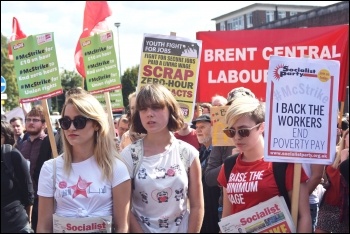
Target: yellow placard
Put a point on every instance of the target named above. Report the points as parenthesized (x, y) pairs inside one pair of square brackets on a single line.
[(217, 116)]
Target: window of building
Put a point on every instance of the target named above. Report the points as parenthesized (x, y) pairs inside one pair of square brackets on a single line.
[(236, 23), (222, 26), (230, 24), (281, 14), (270, 16), (293, 13), (249, 20)]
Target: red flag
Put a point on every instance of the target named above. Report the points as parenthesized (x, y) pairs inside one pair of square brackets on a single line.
[(95, 14), (17, 34)]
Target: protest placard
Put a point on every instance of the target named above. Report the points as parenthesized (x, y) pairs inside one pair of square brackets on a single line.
[(116, 98), (100, 63), (301, 110), (173, 62), (36, 67), (217, 115)]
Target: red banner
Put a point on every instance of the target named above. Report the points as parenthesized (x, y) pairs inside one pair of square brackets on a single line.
[(233, 59)]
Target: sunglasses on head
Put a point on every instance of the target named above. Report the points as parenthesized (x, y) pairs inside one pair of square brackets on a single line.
[(79, 122), (243, 132)]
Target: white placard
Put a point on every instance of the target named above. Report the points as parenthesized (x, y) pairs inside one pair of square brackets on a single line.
[(301, 110)]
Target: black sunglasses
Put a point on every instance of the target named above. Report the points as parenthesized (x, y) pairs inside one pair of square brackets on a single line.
[(243, 132), (79, 122)]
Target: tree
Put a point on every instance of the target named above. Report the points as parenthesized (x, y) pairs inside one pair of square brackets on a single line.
[(8, 72), (69, 79), (129, 82)]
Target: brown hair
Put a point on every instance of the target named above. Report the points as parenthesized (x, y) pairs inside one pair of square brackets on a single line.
[(15, 119), (8, 132), (37, 111), (156, 94)]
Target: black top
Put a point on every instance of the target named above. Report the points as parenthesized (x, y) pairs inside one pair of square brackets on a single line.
[(22, 189), (16, 191), (344, 170)]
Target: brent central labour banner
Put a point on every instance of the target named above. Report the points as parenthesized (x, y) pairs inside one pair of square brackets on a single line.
[(232, 59)]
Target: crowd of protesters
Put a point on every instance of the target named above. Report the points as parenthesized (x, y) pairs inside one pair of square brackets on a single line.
[(158, 173)]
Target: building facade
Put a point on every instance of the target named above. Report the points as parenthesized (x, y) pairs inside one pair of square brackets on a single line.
[(256, 15), (265, 16)]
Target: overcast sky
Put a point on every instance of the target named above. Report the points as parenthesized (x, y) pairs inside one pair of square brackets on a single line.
[(65, 19)]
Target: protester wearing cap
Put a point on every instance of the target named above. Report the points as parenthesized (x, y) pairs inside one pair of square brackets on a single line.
[(204, 117), (211, 194)]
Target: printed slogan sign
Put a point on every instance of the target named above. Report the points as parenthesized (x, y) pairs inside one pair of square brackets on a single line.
[(173, 62), (100, 63), (116, 98), (36, 67), (301, 110)]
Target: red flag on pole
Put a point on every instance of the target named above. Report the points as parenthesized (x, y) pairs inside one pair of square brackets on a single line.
[(95, 14), (17, 34)]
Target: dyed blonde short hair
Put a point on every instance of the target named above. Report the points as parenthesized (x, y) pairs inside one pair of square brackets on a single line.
[(245, 106)]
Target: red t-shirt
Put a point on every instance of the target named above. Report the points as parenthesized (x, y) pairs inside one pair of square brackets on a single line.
[(333, 194), (253, 182), (191, 138)]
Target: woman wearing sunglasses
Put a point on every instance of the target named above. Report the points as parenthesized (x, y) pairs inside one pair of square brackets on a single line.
[(245, 118), (88, 179)]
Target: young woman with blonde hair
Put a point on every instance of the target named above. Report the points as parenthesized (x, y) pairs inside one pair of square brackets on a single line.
[(90, 179), (245, 118)]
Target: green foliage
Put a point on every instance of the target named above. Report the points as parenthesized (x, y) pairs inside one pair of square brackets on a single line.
[(8, 72), (129, 82)]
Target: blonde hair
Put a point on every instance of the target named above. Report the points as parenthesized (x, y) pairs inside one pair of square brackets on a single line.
[(105, 150), (340, 147), (131, 95), (245, 106)]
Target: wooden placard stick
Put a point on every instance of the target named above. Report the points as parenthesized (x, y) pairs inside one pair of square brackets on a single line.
[(49, 128)]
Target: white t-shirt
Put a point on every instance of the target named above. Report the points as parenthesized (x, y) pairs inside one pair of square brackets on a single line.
[(84, 192), (159, 199)]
